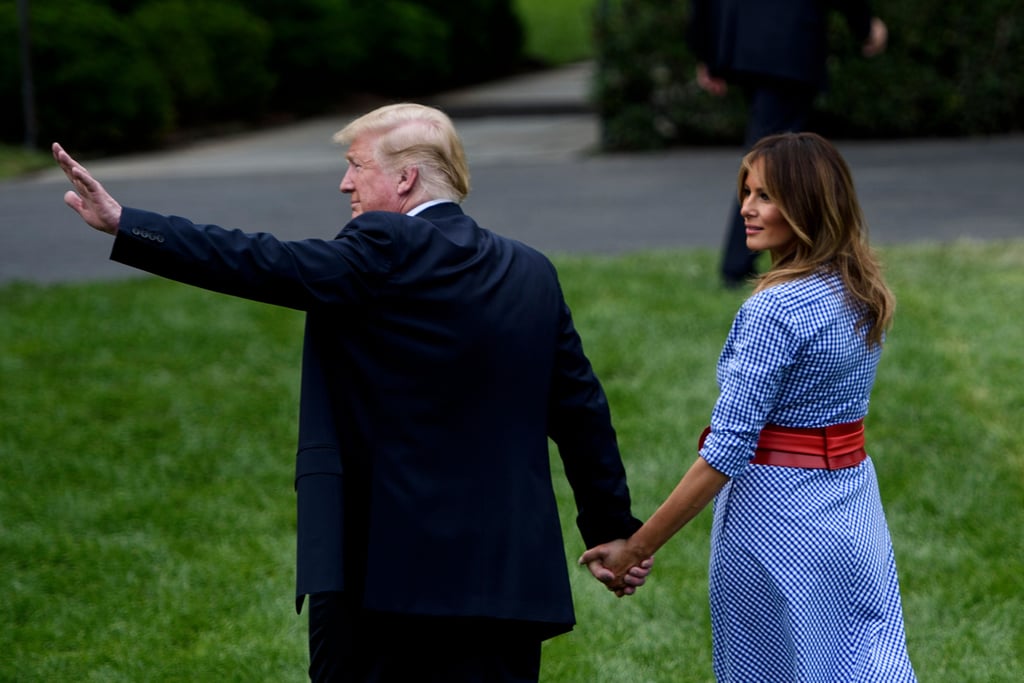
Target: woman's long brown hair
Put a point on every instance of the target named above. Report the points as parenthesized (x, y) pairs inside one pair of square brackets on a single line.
[(810, 183)]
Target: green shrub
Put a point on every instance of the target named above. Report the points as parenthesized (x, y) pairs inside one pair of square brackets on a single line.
[(95, 85), (213, 55), (317, 48), (123, 74), (327, 50), (951, 69), (485, 40)]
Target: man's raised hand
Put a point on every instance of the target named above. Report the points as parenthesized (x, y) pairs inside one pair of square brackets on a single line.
[(88, 199)]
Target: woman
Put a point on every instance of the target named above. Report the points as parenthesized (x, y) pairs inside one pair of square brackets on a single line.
[(802, 576)]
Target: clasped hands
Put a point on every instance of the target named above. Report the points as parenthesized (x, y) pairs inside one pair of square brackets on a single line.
[(618, 566)]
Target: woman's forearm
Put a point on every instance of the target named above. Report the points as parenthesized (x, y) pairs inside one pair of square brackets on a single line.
[(694, 491)]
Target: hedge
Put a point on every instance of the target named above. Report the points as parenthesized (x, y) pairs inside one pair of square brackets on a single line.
[(94, 82), (213, 56), (127, 74)]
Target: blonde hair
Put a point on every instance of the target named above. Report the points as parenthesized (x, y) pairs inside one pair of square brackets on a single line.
[(812, 186), (416, 135)]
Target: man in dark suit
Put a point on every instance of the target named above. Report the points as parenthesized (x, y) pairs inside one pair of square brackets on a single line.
[(776, 51), (438, 360)]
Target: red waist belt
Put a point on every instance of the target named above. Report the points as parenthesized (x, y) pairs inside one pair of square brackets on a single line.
[(824, 448)]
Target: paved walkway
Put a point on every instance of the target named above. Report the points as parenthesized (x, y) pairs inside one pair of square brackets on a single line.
[(532, 143)]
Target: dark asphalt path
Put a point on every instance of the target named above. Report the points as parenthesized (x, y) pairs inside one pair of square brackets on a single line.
[(534, 179)]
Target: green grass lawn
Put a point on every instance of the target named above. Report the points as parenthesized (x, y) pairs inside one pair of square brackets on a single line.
[(558, 31), (147, 433), (16, 161)]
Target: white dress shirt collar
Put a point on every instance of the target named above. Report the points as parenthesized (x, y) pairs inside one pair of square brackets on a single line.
[(426, 205)]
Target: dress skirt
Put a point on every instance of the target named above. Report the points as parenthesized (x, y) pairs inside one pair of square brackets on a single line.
[(803, 580)]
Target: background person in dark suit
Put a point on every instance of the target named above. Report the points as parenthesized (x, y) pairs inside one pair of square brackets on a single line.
[(438, 359), (775, 51)]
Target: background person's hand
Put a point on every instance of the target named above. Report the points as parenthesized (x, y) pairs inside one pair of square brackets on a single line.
[(711, 84), (878, 38)]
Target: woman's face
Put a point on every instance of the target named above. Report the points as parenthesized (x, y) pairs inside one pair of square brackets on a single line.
[(766, 228)]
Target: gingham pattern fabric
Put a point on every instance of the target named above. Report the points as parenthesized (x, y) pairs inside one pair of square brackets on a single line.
[(803, 580)]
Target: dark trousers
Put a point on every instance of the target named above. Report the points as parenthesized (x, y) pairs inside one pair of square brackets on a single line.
[(774, 107), (350, 645)]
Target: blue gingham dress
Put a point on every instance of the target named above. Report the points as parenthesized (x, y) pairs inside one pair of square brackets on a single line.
[(803, 581)]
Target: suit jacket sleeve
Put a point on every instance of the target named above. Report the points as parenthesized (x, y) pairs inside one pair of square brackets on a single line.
[(580, 425), (297, 274), (698, 31)]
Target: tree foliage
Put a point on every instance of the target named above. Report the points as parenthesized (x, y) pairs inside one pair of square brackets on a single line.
[(125, 74)]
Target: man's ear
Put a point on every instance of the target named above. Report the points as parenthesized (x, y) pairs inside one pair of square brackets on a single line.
[(407, 178)]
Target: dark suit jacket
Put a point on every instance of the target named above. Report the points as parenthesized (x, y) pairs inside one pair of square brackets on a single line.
[(784, 39), (438, 359)]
